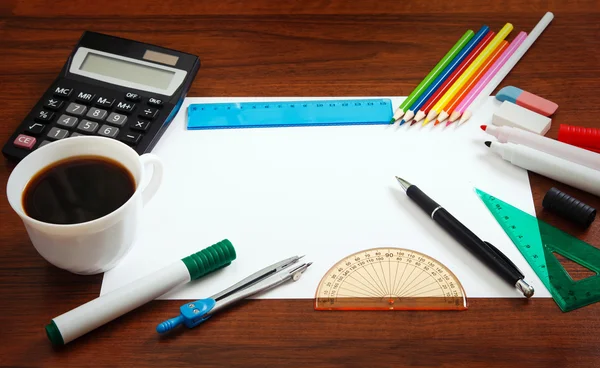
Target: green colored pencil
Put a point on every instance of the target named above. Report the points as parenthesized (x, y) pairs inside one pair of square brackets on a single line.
[(443, 63)]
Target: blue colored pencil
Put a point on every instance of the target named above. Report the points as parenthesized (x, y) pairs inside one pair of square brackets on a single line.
[(444, 74)]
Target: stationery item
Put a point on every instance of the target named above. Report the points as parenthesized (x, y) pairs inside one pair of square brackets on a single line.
[(559, 169), (95, 313), (471, 82), (460, 82), (64, 219), (194, 313), (568, 207), (484, 250), (423, 111), (507, 67), (587, 138), (539, 142), (389, 278), (416, 93), (112, 87), (527, 100), (236, 184), (464, 103), (464, 57), (539, 243), (516, 116), (289, 113)]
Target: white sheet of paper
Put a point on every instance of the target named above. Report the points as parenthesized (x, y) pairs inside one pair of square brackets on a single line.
[(322, 192)]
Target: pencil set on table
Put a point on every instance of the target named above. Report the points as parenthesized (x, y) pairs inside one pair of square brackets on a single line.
[(464, 78)]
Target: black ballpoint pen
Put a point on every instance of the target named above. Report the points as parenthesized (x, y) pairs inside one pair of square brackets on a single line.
[(485, 251)]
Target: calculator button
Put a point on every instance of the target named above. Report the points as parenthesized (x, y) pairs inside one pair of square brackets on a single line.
[(87, 126), (108, 131), (85, 97), (76, 109), (57, 133), (44, 143), (63, 92), (116, 119), (125, 107), (95, 113), (155, 102), (105, 102), (141, 125), (132, 97), (53, 104), (131, 138), (67, 121), (148, 113), (24, 141), (75, 134), (44, 116), (35, 128)]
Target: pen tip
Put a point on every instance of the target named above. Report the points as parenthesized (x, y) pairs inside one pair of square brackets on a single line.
[(483, 127), (403, 183), (488, 143)]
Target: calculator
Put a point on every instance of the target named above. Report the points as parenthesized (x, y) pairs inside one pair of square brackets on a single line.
[(111, 87)]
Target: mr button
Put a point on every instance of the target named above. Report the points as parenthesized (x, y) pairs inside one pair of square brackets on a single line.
[(24, 141)]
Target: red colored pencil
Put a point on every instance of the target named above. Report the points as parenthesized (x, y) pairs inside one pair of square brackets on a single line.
[(452, 78)]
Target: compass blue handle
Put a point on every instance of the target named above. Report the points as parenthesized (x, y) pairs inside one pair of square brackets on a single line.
[(191, 315)]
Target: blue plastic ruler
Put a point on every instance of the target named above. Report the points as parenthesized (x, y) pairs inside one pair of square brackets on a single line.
[(289, 113)]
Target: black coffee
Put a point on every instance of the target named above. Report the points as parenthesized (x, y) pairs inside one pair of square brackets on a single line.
[(77, 190)]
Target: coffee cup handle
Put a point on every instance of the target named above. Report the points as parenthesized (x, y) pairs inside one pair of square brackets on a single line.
[(149, 159)]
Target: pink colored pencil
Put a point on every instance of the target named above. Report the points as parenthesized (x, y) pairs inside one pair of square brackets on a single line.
[(487, 77)]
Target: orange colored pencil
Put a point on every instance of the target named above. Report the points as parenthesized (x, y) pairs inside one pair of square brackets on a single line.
[(472, 82)]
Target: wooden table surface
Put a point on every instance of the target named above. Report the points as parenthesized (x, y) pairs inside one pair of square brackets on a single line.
[(297, 48)]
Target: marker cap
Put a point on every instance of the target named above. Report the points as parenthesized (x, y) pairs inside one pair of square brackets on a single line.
[(568, 207), (587, 138)]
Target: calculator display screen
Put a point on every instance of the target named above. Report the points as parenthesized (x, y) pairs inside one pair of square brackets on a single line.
[(127, 70)]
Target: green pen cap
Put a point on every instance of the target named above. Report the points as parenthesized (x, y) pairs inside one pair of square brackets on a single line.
[(207, 260)]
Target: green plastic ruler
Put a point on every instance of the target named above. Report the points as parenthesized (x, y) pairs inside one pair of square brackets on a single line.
[(538, 242)]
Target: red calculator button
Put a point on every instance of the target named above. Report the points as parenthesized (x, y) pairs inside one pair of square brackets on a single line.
[(24, 141)]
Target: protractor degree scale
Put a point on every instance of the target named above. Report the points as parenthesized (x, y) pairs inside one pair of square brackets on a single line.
[(390, 279)]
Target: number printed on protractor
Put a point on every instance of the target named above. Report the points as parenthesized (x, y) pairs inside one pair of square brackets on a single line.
[(390, 279)]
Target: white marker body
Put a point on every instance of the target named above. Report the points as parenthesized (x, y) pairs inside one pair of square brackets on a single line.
[(575, 175), (104, 309), (551, 146)]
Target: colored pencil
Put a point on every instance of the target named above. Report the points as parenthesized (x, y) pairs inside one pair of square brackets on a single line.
[(471, 83), (487, 77), (475, 41), (459, 45), (507, 67), (452, 78), (460, 82)]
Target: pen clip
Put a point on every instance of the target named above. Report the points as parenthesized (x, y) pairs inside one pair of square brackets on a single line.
[(504, 257)]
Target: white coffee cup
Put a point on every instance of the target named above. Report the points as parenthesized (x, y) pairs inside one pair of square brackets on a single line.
[(95, 246)]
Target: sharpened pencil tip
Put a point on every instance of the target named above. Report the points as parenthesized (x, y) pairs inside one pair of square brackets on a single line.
[(392, 121), (488, 143), (483, 127), (402, 121), (413, 122)]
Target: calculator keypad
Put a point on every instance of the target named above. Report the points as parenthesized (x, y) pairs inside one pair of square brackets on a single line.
[(70, 112)]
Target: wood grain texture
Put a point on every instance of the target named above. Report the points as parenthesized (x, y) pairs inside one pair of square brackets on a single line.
[(297, 48)]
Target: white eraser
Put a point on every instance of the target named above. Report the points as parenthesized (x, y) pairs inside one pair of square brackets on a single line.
[(516, 116)]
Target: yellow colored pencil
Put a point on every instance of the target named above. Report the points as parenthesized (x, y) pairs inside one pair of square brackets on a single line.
[(471, 70)]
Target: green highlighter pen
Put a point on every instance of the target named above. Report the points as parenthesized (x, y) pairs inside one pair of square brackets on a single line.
[(95, 313)]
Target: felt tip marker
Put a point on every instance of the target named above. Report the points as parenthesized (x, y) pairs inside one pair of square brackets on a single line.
[(539, 142), (559, 169)]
